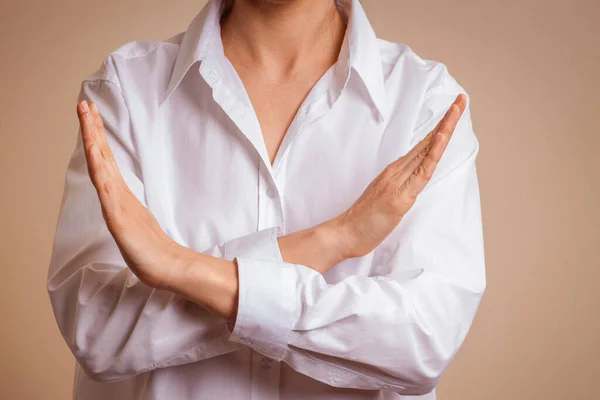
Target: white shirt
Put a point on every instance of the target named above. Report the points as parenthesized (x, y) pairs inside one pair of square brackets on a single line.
[(189, 145)]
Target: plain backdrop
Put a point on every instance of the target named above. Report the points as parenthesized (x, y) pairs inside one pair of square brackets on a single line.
[(532, 70)]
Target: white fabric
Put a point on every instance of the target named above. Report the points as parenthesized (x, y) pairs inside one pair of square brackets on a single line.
[(382, 326)]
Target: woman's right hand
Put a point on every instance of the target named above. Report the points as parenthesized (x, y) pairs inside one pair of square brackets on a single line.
[(388, 198)]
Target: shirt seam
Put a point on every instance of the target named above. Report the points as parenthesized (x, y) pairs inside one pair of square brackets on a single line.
[(101, 79), (126, 57)]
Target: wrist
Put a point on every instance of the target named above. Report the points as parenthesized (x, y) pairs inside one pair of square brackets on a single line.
[(208, 281), (328, 244), (184, 261), (336, 238), (315, 248)]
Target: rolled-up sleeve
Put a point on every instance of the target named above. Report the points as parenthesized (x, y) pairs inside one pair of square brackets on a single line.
[(399, 328)]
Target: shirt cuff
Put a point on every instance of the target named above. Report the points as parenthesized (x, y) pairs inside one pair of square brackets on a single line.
[(260, 244), (267, 305)]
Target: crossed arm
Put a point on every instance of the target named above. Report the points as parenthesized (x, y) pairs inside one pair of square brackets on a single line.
[(120, 283)]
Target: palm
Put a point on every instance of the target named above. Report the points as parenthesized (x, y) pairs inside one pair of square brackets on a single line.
[(145, 247), (393, 192)]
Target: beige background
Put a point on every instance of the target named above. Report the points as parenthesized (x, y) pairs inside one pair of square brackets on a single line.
[(531, 68)]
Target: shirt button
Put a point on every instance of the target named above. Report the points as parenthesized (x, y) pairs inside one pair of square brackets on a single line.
[(271, 192), (266, 363)]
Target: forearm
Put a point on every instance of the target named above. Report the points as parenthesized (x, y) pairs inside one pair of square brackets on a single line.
[(319, 248), (212, 282)]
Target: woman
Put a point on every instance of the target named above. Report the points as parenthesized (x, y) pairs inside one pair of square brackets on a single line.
[(269, 215)]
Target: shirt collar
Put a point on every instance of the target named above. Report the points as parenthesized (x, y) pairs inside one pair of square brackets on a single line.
[(360, 49)]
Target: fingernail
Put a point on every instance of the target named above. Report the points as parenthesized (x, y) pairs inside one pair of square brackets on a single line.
[(85, 106), (94, 107)]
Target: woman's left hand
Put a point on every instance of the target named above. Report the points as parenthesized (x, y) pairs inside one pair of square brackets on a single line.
[(145, 247)]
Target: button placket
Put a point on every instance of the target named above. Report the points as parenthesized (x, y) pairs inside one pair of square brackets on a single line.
[(270, 211), (265, 377)]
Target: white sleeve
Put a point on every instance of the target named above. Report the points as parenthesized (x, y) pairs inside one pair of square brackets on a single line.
[(115, 325), (400, 328)]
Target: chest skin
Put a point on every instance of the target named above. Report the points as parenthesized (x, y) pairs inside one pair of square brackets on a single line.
[(277, 100)]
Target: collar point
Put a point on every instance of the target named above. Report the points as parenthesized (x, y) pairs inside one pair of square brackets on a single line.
[(166, 94)]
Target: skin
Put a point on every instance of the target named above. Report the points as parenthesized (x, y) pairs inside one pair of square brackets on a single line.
[(212, 282), (271, 46)]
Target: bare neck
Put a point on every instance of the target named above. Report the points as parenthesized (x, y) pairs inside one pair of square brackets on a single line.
[(282, 37)]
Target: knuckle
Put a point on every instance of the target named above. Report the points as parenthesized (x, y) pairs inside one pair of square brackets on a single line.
[(81, 111), (386, 174), (107, 187), (423, 172), (428, 173), (423, 153)]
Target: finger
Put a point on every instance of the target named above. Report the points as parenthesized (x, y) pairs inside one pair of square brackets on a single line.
[(449, 124), (417, 149), (88, 134), (424, 143), (408, 164), (96, 164), (104, 181), (402, 161), (102, 140), (445, 132), (109, 158), (422, 173), (88, 129)]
